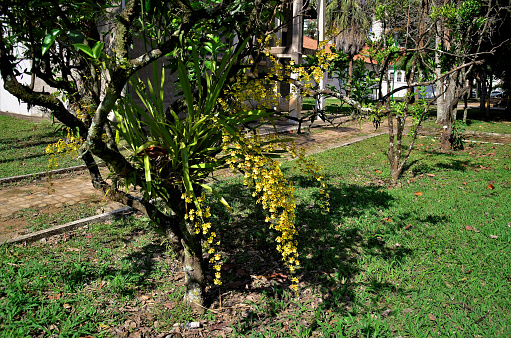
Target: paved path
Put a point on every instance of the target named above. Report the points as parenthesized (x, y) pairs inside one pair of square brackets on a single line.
[(55, 192), (70, 190)]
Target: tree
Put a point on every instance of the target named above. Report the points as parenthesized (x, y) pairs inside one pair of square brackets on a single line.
[(350, 22), (173, 149), (464, 36)]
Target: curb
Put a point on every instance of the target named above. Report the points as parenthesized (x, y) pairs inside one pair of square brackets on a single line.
[(45, 173), (59, 229), (484, 133)]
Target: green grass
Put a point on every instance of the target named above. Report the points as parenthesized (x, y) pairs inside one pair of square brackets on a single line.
[(333, 106), (22, 146), (42, 218), (396, 261), (87, 283), (428, 257), (499, 122)]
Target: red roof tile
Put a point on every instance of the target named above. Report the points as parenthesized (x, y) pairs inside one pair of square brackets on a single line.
[(313, 44)]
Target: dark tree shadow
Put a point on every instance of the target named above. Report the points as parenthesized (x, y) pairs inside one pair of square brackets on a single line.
[(329, 249)]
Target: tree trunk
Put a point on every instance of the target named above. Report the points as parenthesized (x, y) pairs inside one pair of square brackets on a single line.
[(440, 102), (391, 151), (350, 76), (193, 267), (465, 101), (450, 113)]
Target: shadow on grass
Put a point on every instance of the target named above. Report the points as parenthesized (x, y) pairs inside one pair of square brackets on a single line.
[(496, 115), (17, 159), (330, 250), (131, 273), (437, 161)]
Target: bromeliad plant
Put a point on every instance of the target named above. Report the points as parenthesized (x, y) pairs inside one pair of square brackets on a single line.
[(178, 152)]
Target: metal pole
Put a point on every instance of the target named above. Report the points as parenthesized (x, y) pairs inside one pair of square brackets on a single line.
[(320, 104)]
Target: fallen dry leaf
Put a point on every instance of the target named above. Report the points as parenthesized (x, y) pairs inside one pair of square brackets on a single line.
[(169, 306), (57, 296), (464, 183), (490, 187), (418, 193), (276, 275), (431, 317), (493, 236), (378, 171), (430, 175), (66, 306), (469, 228), (386, 313)]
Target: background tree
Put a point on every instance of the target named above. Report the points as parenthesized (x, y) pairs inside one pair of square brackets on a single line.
[(350, 23), (464, 33)]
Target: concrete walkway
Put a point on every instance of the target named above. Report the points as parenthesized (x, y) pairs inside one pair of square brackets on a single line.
[(55, 192), (77, 188)]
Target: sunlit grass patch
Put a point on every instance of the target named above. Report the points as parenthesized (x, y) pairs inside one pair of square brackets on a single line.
[(23, 143)]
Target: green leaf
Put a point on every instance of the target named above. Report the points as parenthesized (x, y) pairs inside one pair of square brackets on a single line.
[(206, 165), (217, 195), (186, 87), (76, 36), (84, 48), (146, 145), (186, 175), (50, 39), (96, 50), (147, 170)]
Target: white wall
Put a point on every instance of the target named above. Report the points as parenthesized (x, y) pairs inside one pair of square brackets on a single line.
[(9, 103)]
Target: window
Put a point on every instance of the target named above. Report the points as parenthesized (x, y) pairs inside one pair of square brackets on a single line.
[(398, 78), (391, 76)]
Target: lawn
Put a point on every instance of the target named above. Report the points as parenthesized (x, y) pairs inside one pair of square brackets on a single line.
[(333, 106), (23, 144), (427, 257), (499, 122)]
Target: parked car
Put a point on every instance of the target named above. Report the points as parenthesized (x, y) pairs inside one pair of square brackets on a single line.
[(496, 94)]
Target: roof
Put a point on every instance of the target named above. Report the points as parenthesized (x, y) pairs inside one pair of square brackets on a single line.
[(313, 44)]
